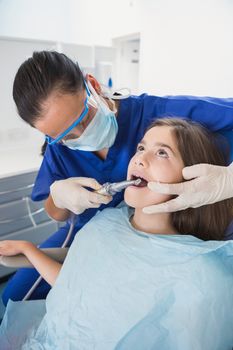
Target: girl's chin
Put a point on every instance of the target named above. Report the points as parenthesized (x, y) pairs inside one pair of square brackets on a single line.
[(142, 197)]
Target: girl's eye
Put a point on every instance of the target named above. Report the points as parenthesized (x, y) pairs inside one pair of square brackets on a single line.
[(162, 153), (140, 148)]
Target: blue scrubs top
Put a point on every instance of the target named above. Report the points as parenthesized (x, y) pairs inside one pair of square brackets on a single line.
[(135, 114)]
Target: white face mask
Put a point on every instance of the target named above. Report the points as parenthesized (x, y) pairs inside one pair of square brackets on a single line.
[(100, 133)]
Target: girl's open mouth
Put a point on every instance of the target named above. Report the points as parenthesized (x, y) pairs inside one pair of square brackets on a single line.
[(143, 182)]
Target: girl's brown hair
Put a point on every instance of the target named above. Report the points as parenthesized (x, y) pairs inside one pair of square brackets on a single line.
[(197, 145)]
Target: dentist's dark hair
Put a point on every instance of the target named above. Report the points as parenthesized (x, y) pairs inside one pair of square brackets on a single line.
[(39, 76), (198, 145)]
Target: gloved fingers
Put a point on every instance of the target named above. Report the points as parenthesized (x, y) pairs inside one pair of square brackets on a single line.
[(98, 198), (177, 188), (196, 170), (79, 209), (91, 205), (96, 203), (166, 207), (87, 182), (87, 200)]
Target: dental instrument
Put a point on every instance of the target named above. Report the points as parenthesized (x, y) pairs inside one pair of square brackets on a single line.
[(109, 188)]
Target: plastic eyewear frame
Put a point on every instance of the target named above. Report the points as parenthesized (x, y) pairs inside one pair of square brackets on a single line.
[(52, 141)]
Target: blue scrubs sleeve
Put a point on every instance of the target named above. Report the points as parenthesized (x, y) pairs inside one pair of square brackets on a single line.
[(214, 113), (49, 172)]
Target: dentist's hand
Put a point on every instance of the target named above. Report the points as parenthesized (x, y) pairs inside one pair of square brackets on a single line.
[(71, 194), (208, 184)]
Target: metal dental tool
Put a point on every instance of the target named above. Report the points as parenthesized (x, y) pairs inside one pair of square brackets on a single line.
[(112, 188)]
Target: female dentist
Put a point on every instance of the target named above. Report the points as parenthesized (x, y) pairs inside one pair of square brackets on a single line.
[(90, 140)]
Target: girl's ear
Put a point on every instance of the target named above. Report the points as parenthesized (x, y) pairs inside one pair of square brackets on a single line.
[(94, 83)]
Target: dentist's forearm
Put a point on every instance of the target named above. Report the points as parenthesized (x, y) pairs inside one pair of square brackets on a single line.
[(47, 267), (54, 212)]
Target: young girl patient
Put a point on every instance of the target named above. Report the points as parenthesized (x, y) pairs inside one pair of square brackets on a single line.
[(138, 281)]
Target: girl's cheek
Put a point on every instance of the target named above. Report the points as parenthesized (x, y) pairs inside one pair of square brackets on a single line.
[(159, 198), (168, 174)]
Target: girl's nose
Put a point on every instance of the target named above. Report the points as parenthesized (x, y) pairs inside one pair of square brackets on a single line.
[(141, 161)]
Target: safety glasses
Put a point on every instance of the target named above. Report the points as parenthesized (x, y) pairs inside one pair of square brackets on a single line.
[(52, 141)]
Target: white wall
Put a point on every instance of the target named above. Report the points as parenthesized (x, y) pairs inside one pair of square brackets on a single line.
[(87, 22), (34, 19), (187, 47)]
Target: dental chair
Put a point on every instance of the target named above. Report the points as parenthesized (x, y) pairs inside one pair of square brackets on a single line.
[(20, 217), (18, 261), (59, 254)]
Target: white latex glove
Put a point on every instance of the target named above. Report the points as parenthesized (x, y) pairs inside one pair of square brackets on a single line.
[(70, 194), (210, 184)]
